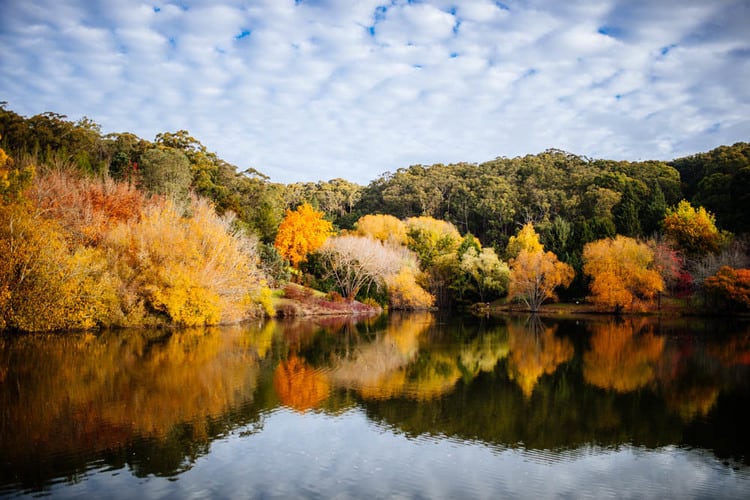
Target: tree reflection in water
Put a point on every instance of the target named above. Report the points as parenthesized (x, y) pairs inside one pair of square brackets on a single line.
[(155, 401), (535, 351)]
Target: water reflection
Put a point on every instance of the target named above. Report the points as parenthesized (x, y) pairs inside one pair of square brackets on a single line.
[(154, 402)]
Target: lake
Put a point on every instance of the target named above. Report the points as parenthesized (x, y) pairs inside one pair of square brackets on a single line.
[(400, 406)]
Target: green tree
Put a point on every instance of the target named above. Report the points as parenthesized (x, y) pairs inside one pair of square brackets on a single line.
[(166, 171)]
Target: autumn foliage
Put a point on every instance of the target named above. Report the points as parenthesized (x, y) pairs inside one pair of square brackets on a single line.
[(621, 358), (621, 273), (79, 253), (731, 285), (693, 230), (302, 231)]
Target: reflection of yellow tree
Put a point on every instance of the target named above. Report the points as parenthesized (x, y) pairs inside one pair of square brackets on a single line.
[(104, 390), (299, 386), (484, 352), (377, 369), (619, 359), (693, 401), (535, 351)]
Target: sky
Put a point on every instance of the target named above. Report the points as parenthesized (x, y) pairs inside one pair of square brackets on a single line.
[(311, 90)]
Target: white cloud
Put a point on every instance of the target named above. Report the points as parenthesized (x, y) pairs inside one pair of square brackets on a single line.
[(332, 88)]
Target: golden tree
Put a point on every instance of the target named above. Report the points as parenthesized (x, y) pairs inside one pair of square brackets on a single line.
[(385, 228), (535, 275), (621, 272), (526, 239), (302, 231)]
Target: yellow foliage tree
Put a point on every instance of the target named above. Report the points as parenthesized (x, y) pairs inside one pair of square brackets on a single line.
[(535, 275), (405, 293), (302, 231), (192, 270), (526, 239), (619, 359), (431, 238), (693, 229), (385, 228), (621, 272)]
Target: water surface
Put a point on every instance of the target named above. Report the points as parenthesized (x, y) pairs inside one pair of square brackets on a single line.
[(404, 406)]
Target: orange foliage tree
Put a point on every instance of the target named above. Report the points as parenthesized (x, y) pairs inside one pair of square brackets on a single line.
[(621, 272), (731, 285), (619, 358), (535, 275), (302, 231)]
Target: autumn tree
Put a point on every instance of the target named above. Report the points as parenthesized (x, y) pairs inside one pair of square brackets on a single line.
[(526, 239), (302, 231), (693, 230), (184, 270), (731, 285), (621, 271), (405, 293), (534, 277), (430, 238), (354, 262), (385, 228)]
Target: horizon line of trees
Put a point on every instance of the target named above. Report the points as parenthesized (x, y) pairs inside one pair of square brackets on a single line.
[(527, 228)]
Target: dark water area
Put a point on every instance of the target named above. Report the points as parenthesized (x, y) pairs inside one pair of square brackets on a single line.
[(401, 406)]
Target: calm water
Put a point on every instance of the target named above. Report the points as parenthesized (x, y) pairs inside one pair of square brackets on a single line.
[(413, 406)]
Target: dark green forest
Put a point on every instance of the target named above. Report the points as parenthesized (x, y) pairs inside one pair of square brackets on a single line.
[(571, 199)]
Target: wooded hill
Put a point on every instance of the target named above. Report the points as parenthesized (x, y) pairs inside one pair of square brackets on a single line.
[(564, 202)]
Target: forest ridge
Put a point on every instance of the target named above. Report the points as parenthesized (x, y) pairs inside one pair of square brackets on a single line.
[(461, 224)]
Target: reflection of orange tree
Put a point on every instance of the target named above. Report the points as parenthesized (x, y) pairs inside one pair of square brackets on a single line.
[(736, 351), (619, 359), (535, 351), (299, 386)]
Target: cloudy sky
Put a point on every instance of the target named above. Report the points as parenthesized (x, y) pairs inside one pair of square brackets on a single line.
[(311, 90)]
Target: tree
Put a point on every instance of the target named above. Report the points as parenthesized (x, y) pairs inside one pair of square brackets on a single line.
[(166, 171), (430, 238), (405, 293), (355, 262), (534, 277), (731, 285), (526, 239), (488, 273), (621, 272), (383, 228), (302, 231), (693, 230)]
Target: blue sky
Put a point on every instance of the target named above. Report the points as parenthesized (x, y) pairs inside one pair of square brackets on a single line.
[(312, 90)]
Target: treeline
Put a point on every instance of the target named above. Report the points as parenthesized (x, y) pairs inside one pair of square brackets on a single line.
[(439, 234)]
